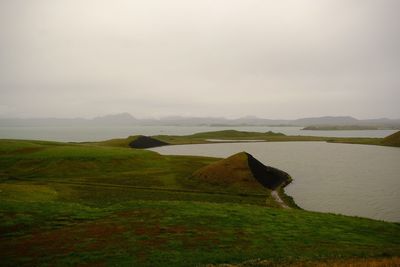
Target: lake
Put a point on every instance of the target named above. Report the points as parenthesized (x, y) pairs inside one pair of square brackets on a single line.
[(360, 180), (93, 133)]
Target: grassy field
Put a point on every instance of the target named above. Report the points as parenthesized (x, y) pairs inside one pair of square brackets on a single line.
[(75, 204)]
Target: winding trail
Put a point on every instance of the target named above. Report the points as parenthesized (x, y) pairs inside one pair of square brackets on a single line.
[(278, 199), (274, 193), (78, 183)]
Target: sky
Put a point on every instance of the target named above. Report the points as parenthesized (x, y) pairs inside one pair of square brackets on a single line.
[(281, 59)]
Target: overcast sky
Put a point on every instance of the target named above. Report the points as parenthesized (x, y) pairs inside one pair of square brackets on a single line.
[(232, 58)]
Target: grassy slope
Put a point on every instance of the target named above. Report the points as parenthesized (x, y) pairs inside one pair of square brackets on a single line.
[(392, 140), (67, 204), (90, 164), (117, 142)]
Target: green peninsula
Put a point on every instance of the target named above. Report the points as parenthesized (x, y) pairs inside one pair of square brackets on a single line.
[(234, 136)]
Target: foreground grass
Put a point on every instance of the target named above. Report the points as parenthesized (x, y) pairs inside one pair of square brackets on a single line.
[(186, 233), (371, 262), (75, 204)]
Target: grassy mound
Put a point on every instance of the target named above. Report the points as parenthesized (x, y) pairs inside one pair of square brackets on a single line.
[(392, 140), (242, 170)]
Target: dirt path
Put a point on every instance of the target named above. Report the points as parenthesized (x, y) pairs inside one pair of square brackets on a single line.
[(278, 199), (110, 186)]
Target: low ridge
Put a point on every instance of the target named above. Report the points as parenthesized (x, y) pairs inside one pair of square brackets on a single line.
[(146, 142), (242, 169)]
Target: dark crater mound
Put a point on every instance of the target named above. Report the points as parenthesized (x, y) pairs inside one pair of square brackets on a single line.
[(146, 142), (269, 177)]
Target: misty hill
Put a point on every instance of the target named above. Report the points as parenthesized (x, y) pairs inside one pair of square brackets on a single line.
[(328, 120), (242, 170), (339, 127), (118, 119), (126, 119)]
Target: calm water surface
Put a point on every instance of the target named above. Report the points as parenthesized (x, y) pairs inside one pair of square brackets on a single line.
[(92, 133), (359, 180)]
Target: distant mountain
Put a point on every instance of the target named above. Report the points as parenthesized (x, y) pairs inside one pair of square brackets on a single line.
[(328, 120), (255, 121), (187, 121), (115, 119), (126, 119), (349, 121)]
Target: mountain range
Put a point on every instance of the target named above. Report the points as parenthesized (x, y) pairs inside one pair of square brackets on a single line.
[(126, 119)]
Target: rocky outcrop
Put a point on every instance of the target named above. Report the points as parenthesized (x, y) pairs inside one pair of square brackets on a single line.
[(146, 142), (269, 177)]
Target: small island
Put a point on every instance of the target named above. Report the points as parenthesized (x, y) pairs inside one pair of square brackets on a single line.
[(344, 128)]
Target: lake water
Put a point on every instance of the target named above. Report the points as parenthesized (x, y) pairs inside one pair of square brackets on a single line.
[(358, 180), (92, 133)]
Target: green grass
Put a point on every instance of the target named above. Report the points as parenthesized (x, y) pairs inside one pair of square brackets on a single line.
[(187, 233), (71, 204), (117, 142)]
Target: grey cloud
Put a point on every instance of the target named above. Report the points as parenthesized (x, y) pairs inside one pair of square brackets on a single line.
[(279, 59)]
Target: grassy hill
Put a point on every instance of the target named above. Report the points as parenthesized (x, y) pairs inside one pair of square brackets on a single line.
[(242, 171), (88, 164), (93, 204), (392, 140)]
